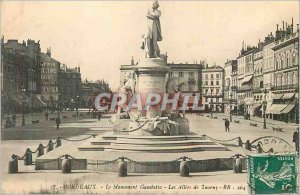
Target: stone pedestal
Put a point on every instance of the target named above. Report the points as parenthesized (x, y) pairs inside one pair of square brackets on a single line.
[(151, 79)]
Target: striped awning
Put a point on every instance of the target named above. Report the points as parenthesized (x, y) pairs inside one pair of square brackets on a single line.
[(247, 79), (288, 109), (277, 96), (256, 106), (287, 96), (277, 108)]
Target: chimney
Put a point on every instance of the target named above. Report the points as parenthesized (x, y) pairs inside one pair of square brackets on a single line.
[(132, 61), (282, 25), (292, 24), (277, 26), (48, 52), (297, 27)]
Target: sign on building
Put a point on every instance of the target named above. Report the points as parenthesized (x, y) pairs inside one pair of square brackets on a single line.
[(271, 174)]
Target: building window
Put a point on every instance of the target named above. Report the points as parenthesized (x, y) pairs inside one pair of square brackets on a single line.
[(206, 91), (180, 74), (211, 91), (211, 76), (211, 82), (206, 82), (295, 80), (206, 76), (170, 74), (217, 76), (218, 83), (288, 60), (217, 91), (261, 84), (282, 62), (294, 58)]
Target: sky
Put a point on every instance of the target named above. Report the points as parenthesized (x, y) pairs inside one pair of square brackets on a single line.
[(99, 36)]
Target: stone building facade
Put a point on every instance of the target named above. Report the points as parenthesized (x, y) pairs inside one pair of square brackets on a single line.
[(50, 79), (21, 76), (212, 88), (90, 89), (229, 100), (69, 87), (245, 81), (258, 80), (185, 77), (286, 76)]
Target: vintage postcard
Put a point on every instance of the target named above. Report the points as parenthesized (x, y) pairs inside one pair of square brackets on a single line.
[(149, 97)]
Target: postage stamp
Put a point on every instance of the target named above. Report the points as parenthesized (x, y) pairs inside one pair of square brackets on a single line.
[(149, 97), (272, 174)]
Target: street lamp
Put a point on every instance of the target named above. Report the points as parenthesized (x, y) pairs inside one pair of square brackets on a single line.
[(211, 108), (230, 116), (264, 103), (77, 101), (58, 103), (24, 101)]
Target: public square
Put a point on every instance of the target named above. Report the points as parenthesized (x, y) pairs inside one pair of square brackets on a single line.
[(16, 140), (149, 97)]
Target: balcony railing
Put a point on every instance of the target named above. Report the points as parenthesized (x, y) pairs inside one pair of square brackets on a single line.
[(257, 90), (226, 88), (244, 88), (212, 94), (281, 87), (234, 88)]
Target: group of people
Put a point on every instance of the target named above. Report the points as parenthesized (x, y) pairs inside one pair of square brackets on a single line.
[(96, 114), (11, 122)]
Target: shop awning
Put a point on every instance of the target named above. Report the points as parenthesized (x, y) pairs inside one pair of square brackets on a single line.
[(277, 96), (288, 109), (248, 103), (269, 104), (287, 96), (276, 108), (247, 79), (256, 106)]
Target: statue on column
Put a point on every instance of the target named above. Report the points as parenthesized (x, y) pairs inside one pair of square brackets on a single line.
[(153, 34)]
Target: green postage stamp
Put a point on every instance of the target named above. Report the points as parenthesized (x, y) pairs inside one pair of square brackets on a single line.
[(270, 174)]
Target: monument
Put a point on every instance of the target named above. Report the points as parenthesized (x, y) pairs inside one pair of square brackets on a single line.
[(152, 137), (151, 79)]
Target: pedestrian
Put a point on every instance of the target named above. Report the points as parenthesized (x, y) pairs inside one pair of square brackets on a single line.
[(296, 140), (46, 115), (227, 123), (99, 115), (57, 120), (8, 123), (14, 120)]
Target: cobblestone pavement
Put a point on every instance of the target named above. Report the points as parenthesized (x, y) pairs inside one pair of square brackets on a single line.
[(29, 180)]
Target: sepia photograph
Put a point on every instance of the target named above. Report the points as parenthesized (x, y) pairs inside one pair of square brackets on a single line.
[(149, 97)]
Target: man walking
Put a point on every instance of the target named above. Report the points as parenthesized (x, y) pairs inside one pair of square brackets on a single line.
[(46, 115), (99, 115), (227, 123), (57, 120), (296, 140)]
